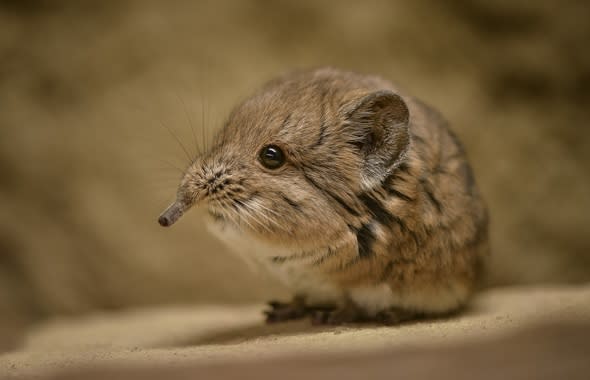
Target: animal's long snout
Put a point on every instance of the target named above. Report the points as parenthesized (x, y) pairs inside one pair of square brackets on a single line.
[(172, 213)]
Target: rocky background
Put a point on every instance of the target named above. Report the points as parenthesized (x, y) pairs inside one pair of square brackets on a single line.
[(94, 95)]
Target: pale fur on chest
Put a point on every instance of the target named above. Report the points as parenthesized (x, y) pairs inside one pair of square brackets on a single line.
[(258, 255), (303, 280)]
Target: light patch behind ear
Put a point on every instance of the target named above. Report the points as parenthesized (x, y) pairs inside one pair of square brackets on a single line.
[(380, 122)]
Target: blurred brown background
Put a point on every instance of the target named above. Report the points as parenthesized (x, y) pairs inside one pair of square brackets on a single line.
[(88, 90)]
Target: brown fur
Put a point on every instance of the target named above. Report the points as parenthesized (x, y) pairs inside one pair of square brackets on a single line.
[(376, 189)]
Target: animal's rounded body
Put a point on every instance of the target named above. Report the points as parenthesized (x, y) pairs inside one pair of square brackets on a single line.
[(356, 196)]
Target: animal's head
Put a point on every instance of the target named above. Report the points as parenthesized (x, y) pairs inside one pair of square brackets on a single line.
[(290, 162)]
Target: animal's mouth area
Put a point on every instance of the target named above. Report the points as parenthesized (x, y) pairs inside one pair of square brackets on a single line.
[(219, 213), (216, 215)]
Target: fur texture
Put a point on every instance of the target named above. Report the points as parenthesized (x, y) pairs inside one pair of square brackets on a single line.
[(376, 208)]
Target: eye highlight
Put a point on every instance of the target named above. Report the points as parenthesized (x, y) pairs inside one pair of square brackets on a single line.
[(272, 157)]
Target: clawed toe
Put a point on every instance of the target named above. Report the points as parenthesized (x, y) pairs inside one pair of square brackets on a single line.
[(395, 316), (275, 304), (281, 315), (285, 311), (319, 317), (336, 316)]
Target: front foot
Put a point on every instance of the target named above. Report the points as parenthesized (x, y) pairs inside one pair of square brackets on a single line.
[(348, 313), (286, 311)]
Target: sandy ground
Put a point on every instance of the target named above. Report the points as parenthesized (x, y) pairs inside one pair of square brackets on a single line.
[(184, 335)]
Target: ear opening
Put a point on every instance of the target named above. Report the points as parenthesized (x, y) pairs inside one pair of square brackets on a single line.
[(380, 121)]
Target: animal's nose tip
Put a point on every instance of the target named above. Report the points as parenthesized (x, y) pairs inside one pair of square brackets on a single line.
[(172, 213), (164, 221)]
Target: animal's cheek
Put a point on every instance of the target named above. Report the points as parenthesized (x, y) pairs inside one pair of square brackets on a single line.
[(317, 215)]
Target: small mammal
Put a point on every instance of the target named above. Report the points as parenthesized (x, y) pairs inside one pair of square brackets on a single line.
[(357, 197)]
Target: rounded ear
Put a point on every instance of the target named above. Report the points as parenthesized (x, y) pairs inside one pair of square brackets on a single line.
[(380, 131)]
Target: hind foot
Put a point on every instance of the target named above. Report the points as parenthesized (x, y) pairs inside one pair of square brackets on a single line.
[(396, 316), (348, 313)]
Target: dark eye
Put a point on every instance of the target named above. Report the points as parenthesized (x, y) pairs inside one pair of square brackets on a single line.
[(272, 157)]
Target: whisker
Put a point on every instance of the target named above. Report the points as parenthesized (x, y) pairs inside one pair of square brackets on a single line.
[(257, 212), (204, 102), (258, 204), (248, 215), (201, 95), (273, 221), (248, 212), (238, 210), (172, 166), (190, 123), (244, 215), (204, 136), (188, 156), (230, 215)]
